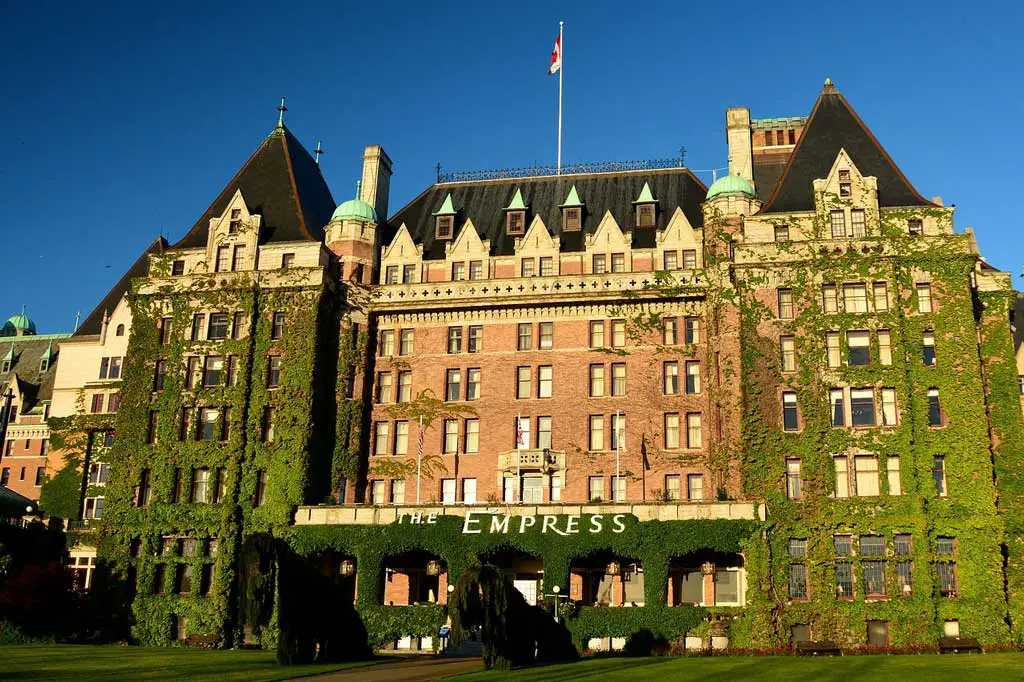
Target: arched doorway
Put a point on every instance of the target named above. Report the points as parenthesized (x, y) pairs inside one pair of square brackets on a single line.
[(707, 578), (604, 578), (525, 570), (414, 577)]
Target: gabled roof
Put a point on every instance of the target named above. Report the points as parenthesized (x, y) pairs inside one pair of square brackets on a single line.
[(832, 125), (140, 268), (34, 385), (282, 183), (483, 202)]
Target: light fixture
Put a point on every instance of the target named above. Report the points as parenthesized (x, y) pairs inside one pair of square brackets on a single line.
[(433, 567), (451, 588), (556, 589), (348, 567), (613, 568)]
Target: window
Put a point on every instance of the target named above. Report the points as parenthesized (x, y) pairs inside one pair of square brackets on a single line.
[(793, 479), (223, 259), (458, 272), (405, 342), (404, 387), (98, 473), (198, 321), (672, 489), (453, 384), (671, 373), (689, 259), (238, 325), (524, 336), (570, 219), (469, 491), (787, 352), (387, 343), (596, 433), (597, 334), (669, 331), (384, 387), (866, 476), (841, 466), (213, 371), (401, 437), (855, 298), (878, 630), (277, 326), (947, 578), (618, 333), (547, 266), (915, 227), (884, 347), (522, 425), (377, 492), (391, 274), (380, 438), (838, 222), (645, 215), (475, 341), (5, 476), (618, 262), (450, 438), (618, 378), (618, 433), (218, 328), (889, 412), (472, 436), (829, 298), (618, 488), (694, 438), (934, 408), (945, 546), (154, 425), (844, 580), (397, 492), (862, 407), (543, 433), (782, 233), (268, 424), (444, 226), (273, 371), (97, 403), (790, 422), (516, 222), (939, 475), (858, 348), (526, 267), (595, 488), (671, 430), (881, 297), (928, 348), (892, 466), (596, 381), (785, 304), (670, 260), (546, 335), (833, 355), (238, 257), (692, 377), (473, 383), (178, 268), (798, 581), (476, 269), (695, 487), (857, 222), (208, 418), (39, 476), (691, 330), (523, 381), (599, 267), (924, 297), (454, 339), (164, 330), (201, 486)]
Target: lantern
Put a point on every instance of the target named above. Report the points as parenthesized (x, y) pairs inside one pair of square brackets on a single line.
[(433, 567), (348, 567), (613, 568), (707, 568)]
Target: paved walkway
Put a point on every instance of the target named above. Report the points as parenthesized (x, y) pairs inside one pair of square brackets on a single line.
[(411, 669)]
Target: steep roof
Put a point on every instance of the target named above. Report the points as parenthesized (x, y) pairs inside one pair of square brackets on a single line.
[(34, 384), (140, 268), (14, 505), (484, 202), (834, 125), (282, 183)]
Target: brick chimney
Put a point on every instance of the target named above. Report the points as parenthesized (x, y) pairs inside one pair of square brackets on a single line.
[(376, 180)]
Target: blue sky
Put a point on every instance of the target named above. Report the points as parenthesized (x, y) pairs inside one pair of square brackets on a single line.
[(123, 121)]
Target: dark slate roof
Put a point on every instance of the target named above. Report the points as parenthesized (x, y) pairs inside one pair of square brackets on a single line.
[(13, 505), (1017, 319), (766, 176), (33, 384), (282, 183), (485, 200), (140, 268), (834, 125)]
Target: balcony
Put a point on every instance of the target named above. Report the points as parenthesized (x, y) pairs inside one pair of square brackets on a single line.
[(544, 460)]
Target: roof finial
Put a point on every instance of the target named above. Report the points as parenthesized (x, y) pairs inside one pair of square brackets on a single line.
[(280, 117), (359, 189), (830, 87), (317, 152)]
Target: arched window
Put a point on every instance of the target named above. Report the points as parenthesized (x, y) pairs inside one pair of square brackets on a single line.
[(119, 331)]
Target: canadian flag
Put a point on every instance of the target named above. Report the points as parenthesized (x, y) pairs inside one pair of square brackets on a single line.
[(556, 56)]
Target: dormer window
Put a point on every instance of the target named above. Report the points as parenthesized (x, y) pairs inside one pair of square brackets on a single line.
[(844, 175), (178, 268), (844, 183), (515, 222), (571, 219), (5, 366), (236, 221), (915, 227), (445, 226), (645, 215)]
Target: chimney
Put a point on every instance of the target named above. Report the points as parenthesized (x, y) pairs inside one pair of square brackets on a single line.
[(376, 180), (737, 125)]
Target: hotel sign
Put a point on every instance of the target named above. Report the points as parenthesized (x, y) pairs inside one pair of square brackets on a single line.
[(478, 522)]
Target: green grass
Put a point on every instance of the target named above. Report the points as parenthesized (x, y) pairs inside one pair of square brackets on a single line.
[(60, 662), (962, 668)]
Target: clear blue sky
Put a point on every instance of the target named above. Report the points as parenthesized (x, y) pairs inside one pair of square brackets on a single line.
[(124, 120)]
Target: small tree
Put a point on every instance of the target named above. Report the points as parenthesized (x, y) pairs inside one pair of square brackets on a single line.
[(484, 597)]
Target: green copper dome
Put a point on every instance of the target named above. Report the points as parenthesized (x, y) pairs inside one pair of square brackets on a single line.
[(731, 184), (355, 209), (20, 323)]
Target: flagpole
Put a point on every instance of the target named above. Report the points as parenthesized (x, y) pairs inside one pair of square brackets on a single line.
[(517, 496), (561, 68), (618, 446), (419, 459)]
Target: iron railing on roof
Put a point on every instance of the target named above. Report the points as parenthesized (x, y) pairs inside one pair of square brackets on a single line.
[(574, 169)]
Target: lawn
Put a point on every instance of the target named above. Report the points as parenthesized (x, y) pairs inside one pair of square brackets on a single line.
[(60, 662), (962, 668)]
